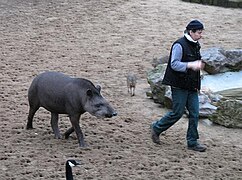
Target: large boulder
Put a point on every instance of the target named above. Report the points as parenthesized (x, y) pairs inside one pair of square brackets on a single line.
[(228, 114), (159, 92), (219, 60), (228, 84)]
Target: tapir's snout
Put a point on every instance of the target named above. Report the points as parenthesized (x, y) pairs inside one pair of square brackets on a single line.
[(111, 115)]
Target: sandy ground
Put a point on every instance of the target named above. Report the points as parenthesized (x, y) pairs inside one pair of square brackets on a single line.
[(102, 41)]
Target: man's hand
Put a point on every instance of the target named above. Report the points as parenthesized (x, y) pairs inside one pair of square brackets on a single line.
[(195, 65)]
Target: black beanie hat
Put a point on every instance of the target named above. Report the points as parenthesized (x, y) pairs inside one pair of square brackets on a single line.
[(194, 25)]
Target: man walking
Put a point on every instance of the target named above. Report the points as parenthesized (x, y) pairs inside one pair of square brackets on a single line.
[(183, 75)]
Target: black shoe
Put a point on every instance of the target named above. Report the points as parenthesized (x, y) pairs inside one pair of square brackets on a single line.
[(198, 147), (154, 135)]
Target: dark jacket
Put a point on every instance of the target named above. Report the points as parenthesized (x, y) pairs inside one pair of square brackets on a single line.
[(190, 79)]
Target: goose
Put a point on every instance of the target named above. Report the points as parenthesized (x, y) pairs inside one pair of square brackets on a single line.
[(69, 164)]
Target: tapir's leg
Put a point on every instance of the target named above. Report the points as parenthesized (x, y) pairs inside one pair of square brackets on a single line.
[(32, 110), (75, 124), (68, 132), (54, 125)]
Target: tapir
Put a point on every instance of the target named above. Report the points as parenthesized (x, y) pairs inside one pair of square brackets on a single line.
[(62, 94)]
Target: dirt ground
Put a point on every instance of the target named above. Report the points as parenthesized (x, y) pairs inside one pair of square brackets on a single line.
[(102, 40)]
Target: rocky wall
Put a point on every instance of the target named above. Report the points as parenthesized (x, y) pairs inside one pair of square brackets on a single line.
[(222, 3)]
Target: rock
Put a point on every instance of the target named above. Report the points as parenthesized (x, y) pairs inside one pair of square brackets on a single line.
[(205, 106), (158, 90), (228, 84), (222, 3), (234, 59), (162, 60), (214, 60), (207, 122), (156, 61), (219, 60), (228, 114)]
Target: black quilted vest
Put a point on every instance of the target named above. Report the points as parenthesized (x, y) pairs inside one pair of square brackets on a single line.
[(189, 80)]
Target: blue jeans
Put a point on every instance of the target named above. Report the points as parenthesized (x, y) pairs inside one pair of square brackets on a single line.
[(181, 98)]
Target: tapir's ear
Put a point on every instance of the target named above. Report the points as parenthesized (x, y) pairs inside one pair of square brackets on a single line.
[(89, 92), (98, 88)]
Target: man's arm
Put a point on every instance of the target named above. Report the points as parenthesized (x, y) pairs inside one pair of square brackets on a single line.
[(176, 57), (177, 65)]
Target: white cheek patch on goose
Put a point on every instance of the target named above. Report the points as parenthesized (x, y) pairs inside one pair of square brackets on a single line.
[(71, 164)]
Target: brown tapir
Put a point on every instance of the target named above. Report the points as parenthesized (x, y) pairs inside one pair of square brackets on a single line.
[(62, 94)]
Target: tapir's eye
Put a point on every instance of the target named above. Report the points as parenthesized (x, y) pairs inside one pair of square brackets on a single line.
[(98, 105)]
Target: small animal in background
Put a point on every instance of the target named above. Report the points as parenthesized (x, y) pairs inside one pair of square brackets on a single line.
[(69, 164), (131, 83)]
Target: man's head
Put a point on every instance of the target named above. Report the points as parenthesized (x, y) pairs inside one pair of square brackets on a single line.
[(195, 29)]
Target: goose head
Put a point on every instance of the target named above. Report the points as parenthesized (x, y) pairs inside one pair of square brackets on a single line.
[(69, 164)]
